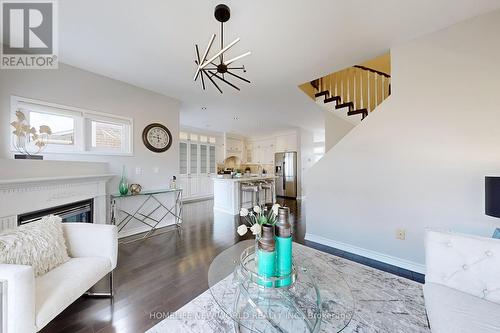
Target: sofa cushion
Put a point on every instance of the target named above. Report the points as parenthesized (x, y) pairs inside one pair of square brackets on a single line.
[(467, 263), (39, 244), (60, 287), (453, 311)]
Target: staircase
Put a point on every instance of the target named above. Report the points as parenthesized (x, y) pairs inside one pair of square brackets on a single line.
[(351, 93)]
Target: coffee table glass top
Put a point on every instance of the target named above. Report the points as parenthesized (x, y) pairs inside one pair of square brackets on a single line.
[(309, 305)]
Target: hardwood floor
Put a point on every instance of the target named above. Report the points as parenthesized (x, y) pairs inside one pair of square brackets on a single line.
[(161, 274)]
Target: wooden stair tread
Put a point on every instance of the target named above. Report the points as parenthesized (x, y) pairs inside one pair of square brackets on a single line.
[(323, 93), (343, 105), (333, 98), (358, 111), (363, 112)]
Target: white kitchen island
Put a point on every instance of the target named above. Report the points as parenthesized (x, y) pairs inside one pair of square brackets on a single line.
[(228, 197)]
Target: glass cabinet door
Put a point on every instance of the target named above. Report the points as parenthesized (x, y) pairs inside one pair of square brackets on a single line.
[(183, 158), (212, 161), (203, 159), (193, 159)]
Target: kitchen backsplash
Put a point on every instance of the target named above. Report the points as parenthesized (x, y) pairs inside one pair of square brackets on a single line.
[(254, 168)]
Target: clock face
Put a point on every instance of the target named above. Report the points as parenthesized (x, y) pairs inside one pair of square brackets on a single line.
[(157, 138)]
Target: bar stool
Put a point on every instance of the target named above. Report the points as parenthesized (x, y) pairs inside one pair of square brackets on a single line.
[(267, 186), (252, 188)]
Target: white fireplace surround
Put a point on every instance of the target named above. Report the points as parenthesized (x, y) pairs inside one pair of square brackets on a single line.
[(20, 196)]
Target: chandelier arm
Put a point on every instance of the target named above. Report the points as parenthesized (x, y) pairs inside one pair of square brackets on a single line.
[(210, 68), (242, 68), (197, 61), (239, 77), (225, 81), (230, 61), (215, 84), (202, 80), (219, 53), (204, 57)]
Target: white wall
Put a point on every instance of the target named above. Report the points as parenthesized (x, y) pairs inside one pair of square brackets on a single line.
[(78, 88), (420, 159), (335, 129), (75, 87)]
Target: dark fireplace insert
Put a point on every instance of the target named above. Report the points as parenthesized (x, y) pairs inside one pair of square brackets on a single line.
[(81, 211)]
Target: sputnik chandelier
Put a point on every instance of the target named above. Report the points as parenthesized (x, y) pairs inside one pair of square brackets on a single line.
[(213, 68)]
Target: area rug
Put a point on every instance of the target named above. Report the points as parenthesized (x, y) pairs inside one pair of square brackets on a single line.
[(382, 302)]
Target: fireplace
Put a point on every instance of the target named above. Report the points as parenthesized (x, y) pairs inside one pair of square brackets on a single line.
[(81, 211)]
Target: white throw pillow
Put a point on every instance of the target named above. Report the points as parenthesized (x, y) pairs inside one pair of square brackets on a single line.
[(39, 244)]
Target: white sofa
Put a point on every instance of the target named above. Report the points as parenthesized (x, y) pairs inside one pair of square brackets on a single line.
[(462, 283), (33, 302)]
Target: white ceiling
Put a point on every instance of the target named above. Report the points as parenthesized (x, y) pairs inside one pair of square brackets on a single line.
[(150, 43)]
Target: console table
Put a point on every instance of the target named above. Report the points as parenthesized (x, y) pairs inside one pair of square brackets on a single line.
[(151, 205)]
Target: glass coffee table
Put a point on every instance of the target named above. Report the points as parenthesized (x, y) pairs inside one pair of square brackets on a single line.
[(309, 304)]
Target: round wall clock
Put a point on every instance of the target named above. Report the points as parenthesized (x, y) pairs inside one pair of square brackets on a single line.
[(157, 138)]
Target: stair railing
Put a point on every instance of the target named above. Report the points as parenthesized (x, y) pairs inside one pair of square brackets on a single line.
[(364, 87)]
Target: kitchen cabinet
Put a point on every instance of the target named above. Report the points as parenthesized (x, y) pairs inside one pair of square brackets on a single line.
[(233, 147), (262, 151), (196, 168), (286, 143), (249, 153)]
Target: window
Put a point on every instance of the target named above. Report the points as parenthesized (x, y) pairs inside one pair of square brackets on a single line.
[(63, 127), (109, 136), (76, 130)]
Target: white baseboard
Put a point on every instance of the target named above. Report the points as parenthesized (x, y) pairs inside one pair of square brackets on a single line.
[(402, 263), (200, 198)]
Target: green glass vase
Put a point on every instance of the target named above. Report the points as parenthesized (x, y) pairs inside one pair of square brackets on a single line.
[(123, 186)]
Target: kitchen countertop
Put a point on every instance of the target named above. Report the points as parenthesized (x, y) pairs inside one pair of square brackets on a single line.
[(245, 178)]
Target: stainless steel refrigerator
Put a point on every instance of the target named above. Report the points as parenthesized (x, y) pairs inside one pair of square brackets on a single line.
[(286, 171)]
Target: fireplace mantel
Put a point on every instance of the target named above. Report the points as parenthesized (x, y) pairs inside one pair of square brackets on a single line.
[(23, 182), (24, 195)]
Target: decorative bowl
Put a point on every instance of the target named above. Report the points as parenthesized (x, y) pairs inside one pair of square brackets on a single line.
[(135, 188)]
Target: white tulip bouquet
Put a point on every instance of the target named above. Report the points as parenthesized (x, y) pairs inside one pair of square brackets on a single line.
[(255, 218)]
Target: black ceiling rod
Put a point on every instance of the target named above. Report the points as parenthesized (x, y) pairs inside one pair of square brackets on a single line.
[(215, 84), (223, 80), (239, 77), (197, 62)]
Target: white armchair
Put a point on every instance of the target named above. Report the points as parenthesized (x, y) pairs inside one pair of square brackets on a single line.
[(462, 283), (33, 302)]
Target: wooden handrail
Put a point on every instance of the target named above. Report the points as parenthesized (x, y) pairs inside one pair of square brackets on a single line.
[(372, 70)]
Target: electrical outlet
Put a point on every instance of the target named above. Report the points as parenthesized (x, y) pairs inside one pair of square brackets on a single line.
[(156, 170), (401, 234)]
